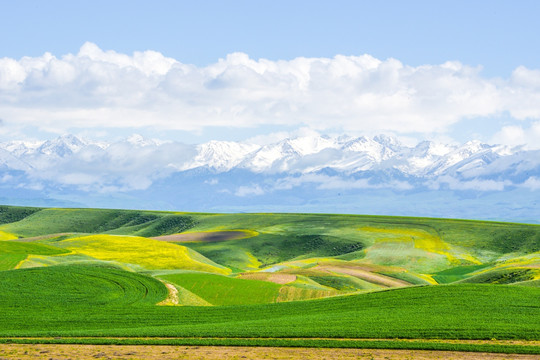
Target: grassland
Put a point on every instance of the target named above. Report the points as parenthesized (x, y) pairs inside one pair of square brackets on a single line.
[(265, 279), (221, 290), (13, 253), (92, 300)]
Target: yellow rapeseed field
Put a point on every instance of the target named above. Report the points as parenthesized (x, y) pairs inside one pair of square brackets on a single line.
[(7, 236), (422, 240), (147, 253)]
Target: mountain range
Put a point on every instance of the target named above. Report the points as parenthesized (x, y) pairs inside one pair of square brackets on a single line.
[(309, 173)]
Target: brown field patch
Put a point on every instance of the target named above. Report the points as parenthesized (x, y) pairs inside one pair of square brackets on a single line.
[(130, 352), (366, 275), (43, 237), (206, 236), (292, 293), (278, 278), (305, 272)]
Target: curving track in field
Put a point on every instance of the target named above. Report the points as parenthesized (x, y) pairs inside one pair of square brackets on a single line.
[(81, 285)]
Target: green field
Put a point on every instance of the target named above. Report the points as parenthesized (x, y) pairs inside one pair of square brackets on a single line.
[(278, 278)]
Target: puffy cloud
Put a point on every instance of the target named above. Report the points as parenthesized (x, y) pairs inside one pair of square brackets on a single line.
[(120, 166), (515, 135), (106, 89), (320, 181), (251, 190), (305, 162), (532, 183), (336, 182), (474, 184)]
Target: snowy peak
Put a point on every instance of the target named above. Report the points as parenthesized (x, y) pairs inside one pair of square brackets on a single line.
[(343, 154), (418, 160), (273, 157), (431, 149), (140, 141), (369, 147), (468, 156), (221, 155), (62, 146), (10, 162), (389, 142), (308, 145), (20, 148)]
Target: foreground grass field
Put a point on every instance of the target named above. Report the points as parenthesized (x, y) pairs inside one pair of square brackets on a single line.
[(96, 301), (266, 279)]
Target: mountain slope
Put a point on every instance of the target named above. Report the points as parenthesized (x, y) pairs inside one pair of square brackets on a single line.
[(308, 173)]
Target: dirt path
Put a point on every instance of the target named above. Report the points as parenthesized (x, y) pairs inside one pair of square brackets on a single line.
[(23, 352), (172, 297)]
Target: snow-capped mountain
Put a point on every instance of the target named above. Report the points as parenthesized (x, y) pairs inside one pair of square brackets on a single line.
[(8, 161), (309, 173), (62, 146), (19, 148), (221, 155), (371, 148), (418, 160), (272, 158), (307, 154)]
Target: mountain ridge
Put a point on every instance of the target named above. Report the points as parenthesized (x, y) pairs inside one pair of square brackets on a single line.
[(309, 173), (305, 154)]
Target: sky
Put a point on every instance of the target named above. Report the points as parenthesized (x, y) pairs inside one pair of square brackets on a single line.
[(237, 70)]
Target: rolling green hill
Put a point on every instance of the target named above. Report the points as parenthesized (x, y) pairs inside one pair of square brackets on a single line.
[(96, 300), (95, 272)]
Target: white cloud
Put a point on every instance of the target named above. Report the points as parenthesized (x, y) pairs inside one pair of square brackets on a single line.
[(275, 137), (321, 182), (475, 184), (124, 165), (532, 183), (336, 182), (99, 89), (515, 135), (251, 190), (136, 163)]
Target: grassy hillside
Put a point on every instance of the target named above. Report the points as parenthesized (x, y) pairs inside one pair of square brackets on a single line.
[(71, 286), (87, 272), (142, 252), (13, 253), (338, 252), (221, 290), (94, 300)]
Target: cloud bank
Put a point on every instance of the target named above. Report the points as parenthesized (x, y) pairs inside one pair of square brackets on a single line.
[(97, 89)]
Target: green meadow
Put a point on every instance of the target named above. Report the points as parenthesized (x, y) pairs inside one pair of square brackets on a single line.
[(76, 274)]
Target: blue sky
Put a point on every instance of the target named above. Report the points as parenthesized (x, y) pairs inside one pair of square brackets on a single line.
[(498, 35), (488, 40)]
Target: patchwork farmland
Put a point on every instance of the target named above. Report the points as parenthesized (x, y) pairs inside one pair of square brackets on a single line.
[(130, 277)]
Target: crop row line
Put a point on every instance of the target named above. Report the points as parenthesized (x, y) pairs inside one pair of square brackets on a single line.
[(297, 342)]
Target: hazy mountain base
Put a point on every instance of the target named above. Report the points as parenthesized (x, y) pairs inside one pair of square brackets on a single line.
[(342, 174), (192, 191)]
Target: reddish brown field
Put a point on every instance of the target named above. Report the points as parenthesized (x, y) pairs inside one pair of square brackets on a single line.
[(278, 278), (21, 351)]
